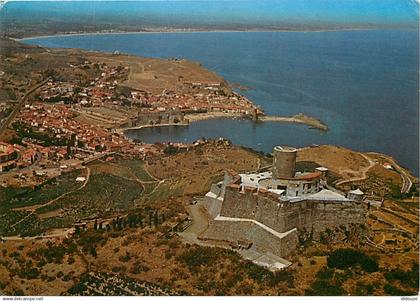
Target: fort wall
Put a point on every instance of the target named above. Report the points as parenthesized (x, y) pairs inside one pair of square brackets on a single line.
[(262, 240), (283, 216), (152, 118)]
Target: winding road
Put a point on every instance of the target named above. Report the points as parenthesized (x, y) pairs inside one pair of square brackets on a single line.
[(405, 176), (406, 181), (364, 172)]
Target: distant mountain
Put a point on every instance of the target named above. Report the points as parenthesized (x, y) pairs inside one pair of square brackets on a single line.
[(50, 16)]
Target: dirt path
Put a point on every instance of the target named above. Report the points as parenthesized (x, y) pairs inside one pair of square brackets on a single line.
[(407, 183), (200, 219), (382, 239), (405, 176), (153, 177), (364, 172), (200, 222), (54, 234), (154, 189), (33, 208)]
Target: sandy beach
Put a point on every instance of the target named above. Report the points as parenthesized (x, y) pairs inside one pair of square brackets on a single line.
[(175, 31)]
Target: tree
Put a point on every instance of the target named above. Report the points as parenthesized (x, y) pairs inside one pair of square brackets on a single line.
[(156, 218), (345, 258), (92, 251), (150, 218), (170, 150)]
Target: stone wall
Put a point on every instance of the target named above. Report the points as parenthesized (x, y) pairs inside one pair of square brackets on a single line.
[(212, 205), (262, 240), (283, 216), (151, 118)]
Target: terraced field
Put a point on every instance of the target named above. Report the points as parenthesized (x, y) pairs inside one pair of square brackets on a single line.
[(396, 225), (16, 204), (109, 188)]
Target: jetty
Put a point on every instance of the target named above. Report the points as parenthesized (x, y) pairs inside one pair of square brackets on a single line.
[(298, 118)]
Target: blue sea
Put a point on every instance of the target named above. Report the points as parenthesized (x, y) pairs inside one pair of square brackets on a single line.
[(363, 84)]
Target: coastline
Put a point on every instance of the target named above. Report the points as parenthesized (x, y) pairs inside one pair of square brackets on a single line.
[(212, 115), (59, 35), (300, 118), (122, 130)]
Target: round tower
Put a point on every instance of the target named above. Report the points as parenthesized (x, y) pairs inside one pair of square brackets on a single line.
[(284, 162)]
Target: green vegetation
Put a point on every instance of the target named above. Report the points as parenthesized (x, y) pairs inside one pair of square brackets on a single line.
[(363, 289), (45, 139), (207, 262), (171, 150), (166, 190), (200, 256), (329, 282), (137, 168), (139, 267), (325, 288), (342, 265), (107, 284), (103, 192), (305, 237), (148, 188), (102, 196), (65, 99), (45, 192), (12, 198), (396, 194), (52, 253), (345, 258), (408, 278), (46, 253), (395, 291), (29, 273), (89, 240)]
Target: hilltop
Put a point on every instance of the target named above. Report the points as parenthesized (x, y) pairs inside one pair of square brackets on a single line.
[(132, 239)]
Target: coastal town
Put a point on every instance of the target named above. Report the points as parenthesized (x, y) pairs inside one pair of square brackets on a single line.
[(63, 124)]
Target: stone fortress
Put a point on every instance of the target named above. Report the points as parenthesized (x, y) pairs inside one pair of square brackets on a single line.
[(266, 211)]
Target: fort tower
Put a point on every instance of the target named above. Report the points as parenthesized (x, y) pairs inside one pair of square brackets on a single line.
[(284, 162)]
